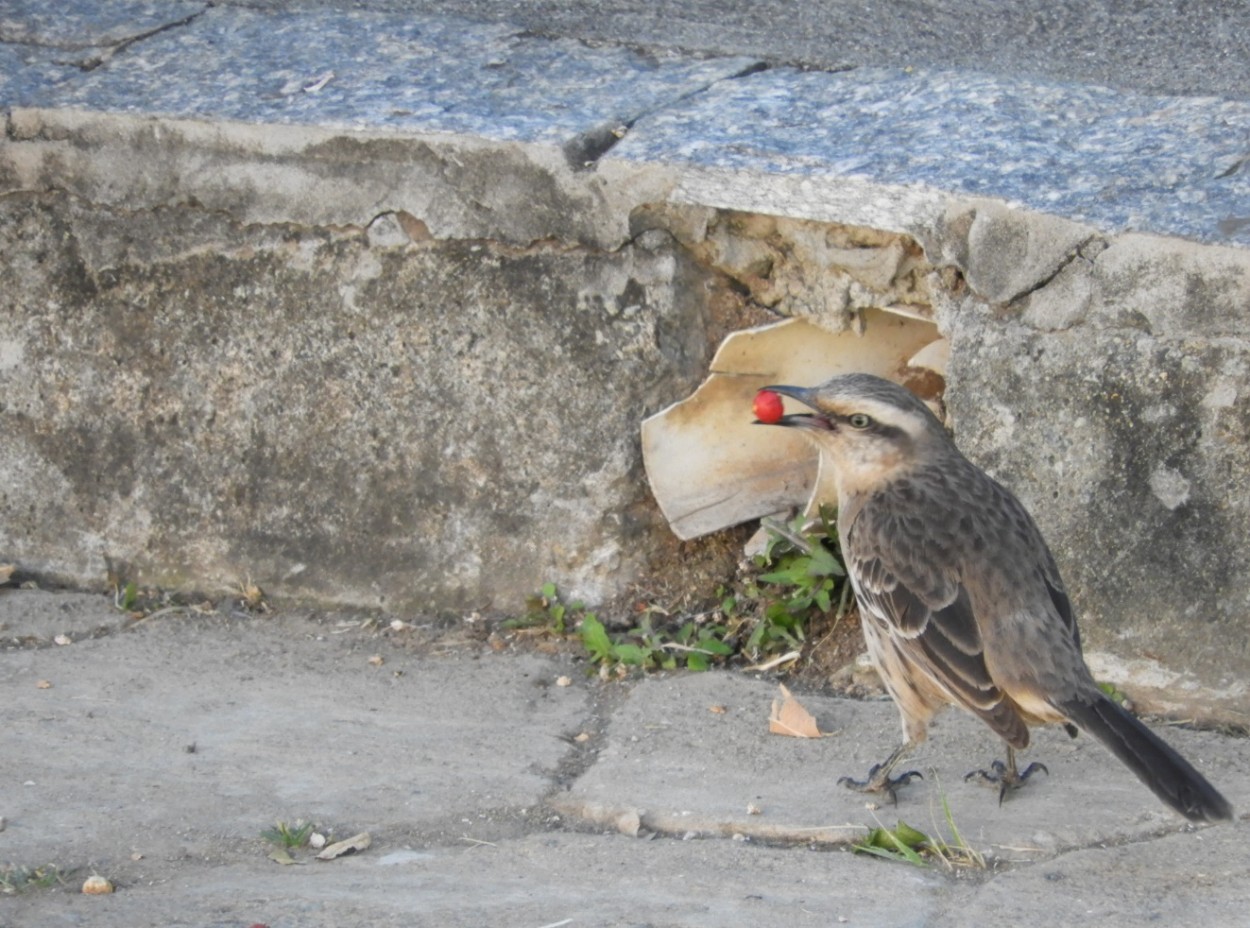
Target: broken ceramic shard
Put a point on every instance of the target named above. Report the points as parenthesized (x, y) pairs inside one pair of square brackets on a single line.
[(708, 463)]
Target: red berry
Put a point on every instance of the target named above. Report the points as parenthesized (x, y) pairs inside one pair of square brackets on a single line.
[(768, 408)]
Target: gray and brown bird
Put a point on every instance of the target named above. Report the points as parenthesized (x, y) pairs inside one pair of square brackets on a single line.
[(959, 597)]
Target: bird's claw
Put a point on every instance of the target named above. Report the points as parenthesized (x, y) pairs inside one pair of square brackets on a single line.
[(1005, 776), (880, 781)]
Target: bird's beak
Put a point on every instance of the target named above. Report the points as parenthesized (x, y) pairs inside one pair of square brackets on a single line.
[(802, 420)]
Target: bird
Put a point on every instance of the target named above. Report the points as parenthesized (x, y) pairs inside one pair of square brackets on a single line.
[(960, 600)]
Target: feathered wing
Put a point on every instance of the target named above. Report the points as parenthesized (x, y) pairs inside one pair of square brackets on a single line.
[(927, 617), (908, 578)]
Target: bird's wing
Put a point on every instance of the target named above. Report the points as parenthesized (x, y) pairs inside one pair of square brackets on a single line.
[(904, 583)]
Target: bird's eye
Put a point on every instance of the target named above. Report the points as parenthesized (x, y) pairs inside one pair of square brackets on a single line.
[(859, 421)]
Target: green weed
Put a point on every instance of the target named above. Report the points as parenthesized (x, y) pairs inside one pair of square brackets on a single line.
[(797, 578), (800, 579), (288, 836), (16, 879), (910, 845)]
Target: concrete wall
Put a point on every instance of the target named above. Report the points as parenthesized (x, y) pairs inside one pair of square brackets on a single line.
[(404, 363), (341, 414), (1113, 398)]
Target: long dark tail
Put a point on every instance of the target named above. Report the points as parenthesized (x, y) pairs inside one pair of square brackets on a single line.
[(1169, 776)]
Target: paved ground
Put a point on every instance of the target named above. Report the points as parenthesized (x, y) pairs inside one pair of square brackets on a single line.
[(1151, 46), (1064, 109), (154, 753)]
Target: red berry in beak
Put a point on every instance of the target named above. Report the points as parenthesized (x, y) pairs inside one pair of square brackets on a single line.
[(768, 407)]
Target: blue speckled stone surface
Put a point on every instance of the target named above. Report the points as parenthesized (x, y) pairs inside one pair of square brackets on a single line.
[(384, 71), (29, 71), (78, 24), (1116, 161)]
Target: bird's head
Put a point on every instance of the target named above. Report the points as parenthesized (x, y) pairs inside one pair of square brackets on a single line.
[(870, 428)]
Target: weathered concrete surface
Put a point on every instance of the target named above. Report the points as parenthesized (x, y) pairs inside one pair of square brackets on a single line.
[(693, 754), (1156, 46), (1112, 399), (326, 298), (347, 415), (459, 760), (457, 186)]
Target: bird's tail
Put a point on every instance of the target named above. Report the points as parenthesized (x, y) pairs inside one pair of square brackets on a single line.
[(1169, 776)]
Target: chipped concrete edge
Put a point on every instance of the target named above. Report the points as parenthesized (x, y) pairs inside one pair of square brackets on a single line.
[(285, 173)]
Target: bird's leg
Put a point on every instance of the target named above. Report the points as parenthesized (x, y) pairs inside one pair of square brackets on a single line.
[(879, 779), (1005, 776)]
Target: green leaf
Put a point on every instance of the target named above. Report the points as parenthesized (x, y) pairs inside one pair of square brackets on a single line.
[(630, 654), (549, 590), (908, 835), (902, 843), (716, 646), (595, 638), (792, 575), (822, 563), (696, 661)]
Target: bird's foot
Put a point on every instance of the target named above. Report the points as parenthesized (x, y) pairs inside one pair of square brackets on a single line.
[(880, 781), (1005, 776)]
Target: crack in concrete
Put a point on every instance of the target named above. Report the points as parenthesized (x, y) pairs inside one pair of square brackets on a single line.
[(111, 46), (1077, 253), (90, 64), (584, 150)]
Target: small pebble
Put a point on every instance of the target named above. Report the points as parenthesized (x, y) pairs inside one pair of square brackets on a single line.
[(96, 886)]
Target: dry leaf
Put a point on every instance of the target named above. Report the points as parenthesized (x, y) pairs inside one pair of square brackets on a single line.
[(349, 846), (6, 571), (790, 718), (43, 685), (717, 710)]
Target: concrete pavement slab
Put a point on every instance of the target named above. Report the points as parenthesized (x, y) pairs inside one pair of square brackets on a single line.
[(394, 72), (78, 26), (693, 754), (189, 735), (540, 881), (1183, 879), (160, 750), (734, 131), (1113, 160), (1157, 46)]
